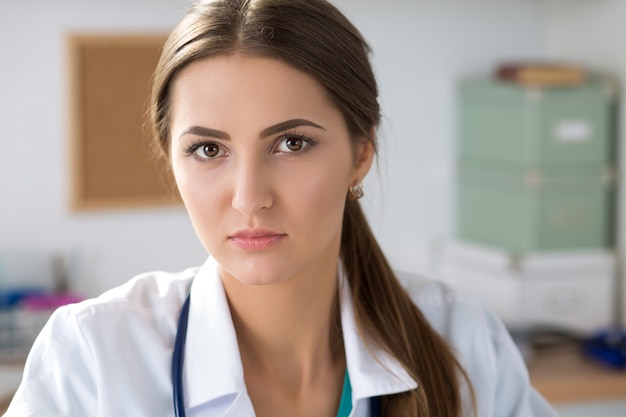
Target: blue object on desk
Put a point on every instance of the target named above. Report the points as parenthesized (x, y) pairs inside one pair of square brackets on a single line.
[(10, 298), (608, 347)]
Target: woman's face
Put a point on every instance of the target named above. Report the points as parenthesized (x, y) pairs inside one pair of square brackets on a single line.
[(263, 162)]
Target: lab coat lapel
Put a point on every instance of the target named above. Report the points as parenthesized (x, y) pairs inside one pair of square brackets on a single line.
[(373, 372), (212, 362), (242, 406)]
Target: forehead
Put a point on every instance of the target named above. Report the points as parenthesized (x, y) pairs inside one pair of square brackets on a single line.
[(247, 87)]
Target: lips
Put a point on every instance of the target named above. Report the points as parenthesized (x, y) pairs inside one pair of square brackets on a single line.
[(256, 239)]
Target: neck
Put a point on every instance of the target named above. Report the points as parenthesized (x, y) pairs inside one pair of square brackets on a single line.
[(290, 330)]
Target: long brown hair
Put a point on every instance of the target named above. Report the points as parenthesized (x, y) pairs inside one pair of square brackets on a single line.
[(316, 38)]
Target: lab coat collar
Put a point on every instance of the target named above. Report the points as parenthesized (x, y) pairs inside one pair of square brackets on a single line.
[(373, 371), (212, 366), (213, 369)]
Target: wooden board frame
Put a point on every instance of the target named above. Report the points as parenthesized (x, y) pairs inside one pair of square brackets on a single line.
[(114, 164)]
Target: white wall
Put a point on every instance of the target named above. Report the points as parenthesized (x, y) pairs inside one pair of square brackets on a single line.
[(108, 247), (593, 34), (422, 48)]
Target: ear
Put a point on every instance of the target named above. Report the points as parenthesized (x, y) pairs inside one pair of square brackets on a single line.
[(363, 159)]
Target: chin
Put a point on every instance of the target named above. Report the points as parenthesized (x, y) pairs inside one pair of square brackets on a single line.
[(256, 274)]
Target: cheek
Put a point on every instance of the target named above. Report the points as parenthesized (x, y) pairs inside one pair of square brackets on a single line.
[(204, 203), (320, 194), (200, 195), (186, 183)]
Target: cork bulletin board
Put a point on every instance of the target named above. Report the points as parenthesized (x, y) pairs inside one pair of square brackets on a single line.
[(114, 163)]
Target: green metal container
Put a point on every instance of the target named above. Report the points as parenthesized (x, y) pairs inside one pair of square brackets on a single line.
[(529, 209), (536, 126)]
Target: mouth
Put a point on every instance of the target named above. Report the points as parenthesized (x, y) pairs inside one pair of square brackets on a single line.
[(256, 239)]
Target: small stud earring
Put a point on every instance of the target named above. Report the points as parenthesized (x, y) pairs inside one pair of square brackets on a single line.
[(355, 191)]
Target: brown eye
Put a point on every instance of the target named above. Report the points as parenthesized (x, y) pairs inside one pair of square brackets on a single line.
[(208, 151), (293, 144)]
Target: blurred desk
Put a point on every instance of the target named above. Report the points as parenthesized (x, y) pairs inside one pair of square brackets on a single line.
[(564, 375), (10, 377)]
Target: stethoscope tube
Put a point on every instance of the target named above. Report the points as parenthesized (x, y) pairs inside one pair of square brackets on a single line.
[(178, 360)]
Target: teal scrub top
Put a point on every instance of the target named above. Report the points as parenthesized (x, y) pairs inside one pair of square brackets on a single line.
[(345, 404)]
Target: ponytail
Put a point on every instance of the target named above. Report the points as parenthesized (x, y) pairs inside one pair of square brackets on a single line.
[(387, 317)]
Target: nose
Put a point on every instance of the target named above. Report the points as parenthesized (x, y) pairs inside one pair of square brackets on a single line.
[(252, 188)]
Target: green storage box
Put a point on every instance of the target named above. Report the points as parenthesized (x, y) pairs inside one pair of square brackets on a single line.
[(536, 126), (525, 210)]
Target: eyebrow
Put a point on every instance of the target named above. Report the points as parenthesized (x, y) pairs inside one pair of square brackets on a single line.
[(289, 124), (272, 130)]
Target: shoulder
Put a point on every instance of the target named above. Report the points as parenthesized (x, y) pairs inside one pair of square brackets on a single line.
[(147, 304), (474, 332), (446, 308), (148, 291), (484, 348), (85, 346)]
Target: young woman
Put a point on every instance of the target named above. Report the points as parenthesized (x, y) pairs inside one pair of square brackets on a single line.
[(267, 111)]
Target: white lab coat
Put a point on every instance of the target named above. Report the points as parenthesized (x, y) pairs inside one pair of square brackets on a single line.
[(111, 356)]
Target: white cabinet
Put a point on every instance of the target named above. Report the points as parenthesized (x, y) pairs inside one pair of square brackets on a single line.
[(571, 290)]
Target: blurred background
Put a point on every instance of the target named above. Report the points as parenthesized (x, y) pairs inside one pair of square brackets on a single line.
[(425, 51)]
